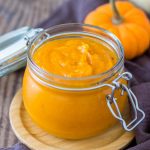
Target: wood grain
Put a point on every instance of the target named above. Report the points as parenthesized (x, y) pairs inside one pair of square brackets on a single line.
[(37, 139), (15, 14)]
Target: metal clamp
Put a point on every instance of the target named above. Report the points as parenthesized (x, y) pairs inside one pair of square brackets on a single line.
[(132, 98), (29, 36)]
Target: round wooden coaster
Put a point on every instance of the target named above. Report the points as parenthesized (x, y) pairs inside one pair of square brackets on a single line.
[(37, 139)]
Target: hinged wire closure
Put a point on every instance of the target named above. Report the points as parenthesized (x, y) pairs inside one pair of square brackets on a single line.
[(132, 98)]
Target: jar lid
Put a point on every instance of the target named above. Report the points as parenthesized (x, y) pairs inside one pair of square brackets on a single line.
[(13, 48)]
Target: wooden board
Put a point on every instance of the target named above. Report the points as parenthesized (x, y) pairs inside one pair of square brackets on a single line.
[(37, 139)]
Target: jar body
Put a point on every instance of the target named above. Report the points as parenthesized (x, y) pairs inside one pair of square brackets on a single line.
[(74, 108), (70, 114)]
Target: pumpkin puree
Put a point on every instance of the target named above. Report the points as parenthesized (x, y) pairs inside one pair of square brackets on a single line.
[(76, 57), (71, 114)]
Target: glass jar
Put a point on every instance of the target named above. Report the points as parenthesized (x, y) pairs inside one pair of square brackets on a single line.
[(76, 108)]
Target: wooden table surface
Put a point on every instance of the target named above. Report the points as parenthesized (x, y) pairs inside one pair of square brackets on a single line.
[(15, 14)]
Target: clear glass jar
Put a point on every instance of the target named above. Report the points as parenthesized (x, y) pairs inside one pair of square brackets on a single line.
[(76, 108)]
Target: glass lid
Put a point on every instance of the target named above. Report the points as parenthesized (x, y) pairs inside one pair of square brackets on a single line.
[(13, 48)]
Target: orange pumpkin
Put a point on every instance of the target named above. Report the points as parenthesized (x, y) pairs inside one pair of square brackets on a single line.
[(127, 22)]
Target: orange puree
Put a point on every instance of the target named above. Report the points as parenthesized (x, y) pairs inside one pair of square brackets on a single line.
[(71, 114), (76, 57)]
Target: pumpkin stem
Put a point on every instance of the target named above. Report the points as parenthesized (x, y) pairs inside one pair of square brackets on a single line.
[(117, 19)]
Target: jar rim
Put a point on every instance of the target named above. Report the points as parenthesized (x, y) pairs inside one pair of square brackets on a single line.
[(46, 73)]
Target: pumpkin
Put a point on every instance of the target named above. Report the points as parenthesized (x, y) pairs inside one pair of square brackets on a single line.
[(127, 22)]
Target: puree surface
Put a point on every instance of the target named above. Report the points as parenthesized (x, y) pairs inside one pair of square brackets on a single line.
[(75, 57)]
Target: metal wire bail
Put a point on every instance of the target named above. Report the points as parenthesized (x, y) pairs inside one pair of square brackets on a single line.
[(29, 36), (132, 98)]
